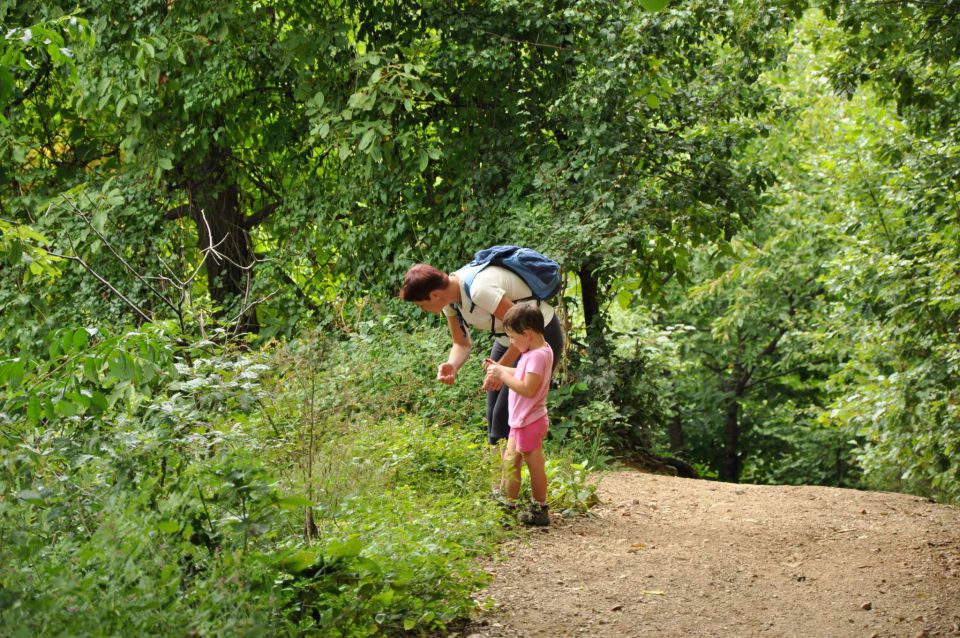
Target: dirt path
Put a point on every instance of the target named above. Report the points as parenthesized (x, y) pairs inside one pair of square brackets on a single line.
[(666, 556)]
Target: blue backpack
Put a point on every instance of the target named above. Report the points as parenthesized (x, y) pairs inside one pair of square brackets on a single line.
[(540, 273)]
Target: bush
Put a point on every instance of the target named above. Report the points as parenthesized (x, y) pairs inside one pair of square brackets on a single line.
[(325, 487)]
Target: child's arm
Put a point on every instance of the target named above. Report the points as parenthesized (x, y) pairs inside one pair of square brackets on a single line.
[(526, 387)]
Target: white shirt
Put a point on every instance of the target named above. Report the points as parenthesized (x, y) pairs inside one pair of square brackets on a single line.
[(488, 289)]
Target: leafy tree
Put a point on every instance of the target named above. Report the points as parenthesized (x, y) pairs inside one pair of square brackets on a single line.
[(901, 313), (860, 190), (308, 143), (753, 328), (645, 159), (217, 115), (758, 305), (31, 56)]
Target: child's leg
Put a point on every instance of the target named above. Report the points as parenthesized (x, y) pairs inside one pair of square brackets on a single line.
[(536, 464), (510, 478)]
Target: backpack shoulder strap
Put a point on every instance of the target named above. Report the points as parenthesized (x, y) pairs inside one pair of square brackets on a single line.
[(460, 319), (471, 273)]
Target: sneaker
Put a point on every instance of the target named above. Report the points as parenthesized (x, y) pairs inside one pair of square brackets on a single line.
[(504, 503), (537, 515), (508, 505)]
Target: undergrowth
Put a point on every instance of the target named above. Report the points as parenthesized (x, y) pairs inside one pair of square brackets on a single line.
[(325, 487)]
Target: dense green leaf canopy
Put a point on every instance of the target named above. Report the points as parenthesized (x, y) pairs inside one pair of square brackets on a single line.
[(213, 405)]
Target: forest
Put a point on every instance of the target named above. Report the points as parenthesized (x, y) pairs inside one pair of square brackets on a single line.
[(218, 418)]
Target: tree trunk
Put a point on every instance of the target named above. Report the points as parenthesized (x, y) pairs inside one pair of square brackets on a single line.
[(675, 430), (592, 317), (730, 464), (735, 386), (215, 208)]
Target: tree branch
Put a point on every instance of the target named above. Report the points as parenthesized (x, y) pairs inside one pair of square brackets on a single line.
[(123, 261), (183, 210), (298, 291), (37, 81), (103, 281), (257, 218), (762, 380)]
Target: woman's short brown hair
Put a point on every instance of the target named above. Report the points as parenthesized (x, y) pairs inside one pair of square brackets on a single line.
[(522, 317), (421, 280)]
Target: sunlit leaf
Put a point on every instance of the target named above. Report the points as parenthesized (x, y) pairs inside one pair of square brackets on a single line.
[(653, 5)]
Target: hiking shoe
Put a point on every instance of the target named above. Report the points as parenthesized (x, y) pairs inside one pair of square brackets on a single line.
[(536, 515)]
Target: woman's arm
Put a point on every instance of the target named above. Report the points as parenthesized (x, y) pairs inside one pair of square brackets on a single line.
[(459, 353), (512, 354)]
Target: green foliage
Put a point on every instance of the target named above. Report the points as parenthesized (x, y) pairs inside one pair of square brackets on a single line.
[(770, 269), (130, 494), (899, 314), (35, 49), (837, 311), (22, 250), (422, 517), (648, 136), (787, 446), (616, 405), (569, 490), (153, 485), (773, 266), (584, 426), (285, 159)]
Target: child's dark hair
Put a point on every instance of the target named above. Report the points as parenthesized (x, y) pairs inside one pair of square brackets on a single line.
[(524, 317)]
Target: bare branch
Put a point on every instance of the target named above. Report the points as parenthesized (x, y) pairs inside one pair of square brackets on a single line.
[(211, 249), (123, 261), (103, 281)]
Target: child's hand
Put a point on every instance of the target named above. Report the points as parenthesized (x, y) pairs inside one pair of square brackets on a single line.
[(494, 370), (493, 380), (491, 385)]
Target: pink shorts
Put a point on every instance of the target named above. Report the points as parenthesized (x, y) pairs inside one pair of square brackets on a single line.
[(530, 437)]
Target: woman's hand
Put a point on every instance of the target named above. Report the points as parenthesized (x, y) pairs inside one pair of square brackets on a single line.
[(446, 373), (491, 385)]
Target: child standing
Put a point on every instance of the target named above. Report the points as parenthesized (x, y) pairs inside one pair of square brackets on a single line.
[(528, 384)]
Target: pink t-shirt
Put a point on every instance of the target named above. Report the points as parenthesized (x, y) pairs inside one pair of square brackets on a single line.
[(523, 410)]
